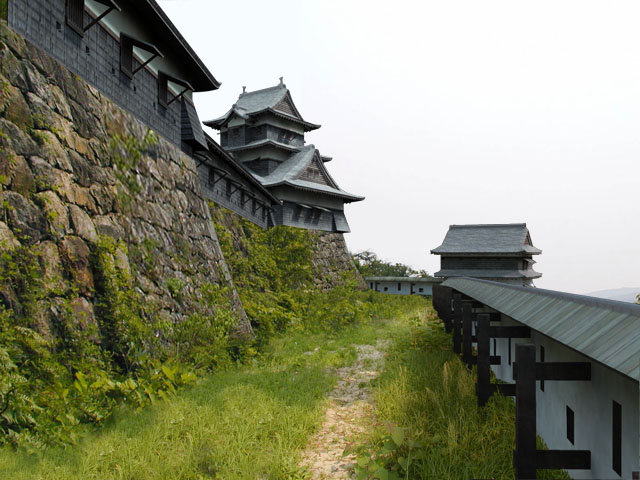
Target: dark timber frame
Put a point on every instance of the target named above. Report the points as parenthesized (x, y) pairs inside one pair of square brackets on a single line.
[(527, 458), (75, 14), (163, 88), (127, 43)]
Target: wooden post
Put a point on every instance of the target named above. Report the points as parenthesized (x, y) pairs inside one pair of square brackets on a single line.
[(484, 369), (525, 453), (457, 323), (467, 334), (447, 308)]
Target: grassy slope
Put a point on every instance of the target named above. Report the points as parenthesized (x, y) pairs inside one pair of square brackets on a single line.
[(246, 423), (427, 390)]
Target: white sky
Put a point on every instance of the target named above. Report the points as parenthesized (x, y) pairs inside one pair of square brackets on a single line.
[(452, 111)]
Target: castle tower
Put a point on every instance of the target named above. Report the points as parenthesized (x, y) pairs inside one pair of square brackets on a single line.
[(264, 132)]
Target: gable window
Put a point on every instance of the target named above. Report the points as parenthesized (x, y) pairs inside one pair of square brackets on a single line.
[(74, 13), (163, 88), (127, 43), (570, 423)]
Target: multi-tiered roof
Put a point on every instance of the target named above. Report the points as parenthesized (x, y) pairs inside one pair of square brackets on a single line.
[(264, 131)]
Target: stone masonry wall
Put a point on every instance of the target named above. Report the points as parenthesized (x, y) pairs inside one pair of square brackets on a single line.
[(331, 259), (74, 167)]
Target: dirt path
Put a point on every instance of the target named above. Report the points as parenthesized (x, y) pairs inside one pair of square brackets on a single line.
[(350, 412)]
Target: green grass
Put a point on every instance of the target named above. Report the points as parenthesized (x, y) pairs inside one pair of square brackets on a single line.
[(426, 389), (250, 422)]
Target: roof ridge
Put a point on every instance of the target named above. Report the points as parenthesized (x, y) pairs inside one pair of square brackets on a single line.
[(244, 94), (485, 225)]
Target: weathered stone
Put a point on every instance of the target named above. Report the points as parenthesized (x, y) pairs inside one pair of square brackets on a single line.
[(7, 238), (108, 225), (82, 224), (12, 68), (82, 196), (49, 178), (53, 273), (52, 150), (12, 40), (103, 197), (25, 218), (21, 177), (75, 256), (81, 168), (56, 213), (11, 137), (84, 318)]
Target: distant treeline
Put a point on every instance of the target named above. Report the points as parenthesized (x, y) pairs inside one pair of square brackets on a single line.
[(370, 265)]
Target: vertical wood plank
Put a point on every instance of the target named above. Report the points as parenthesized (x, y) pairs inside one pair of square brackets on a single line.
[(525, 454), (483, 371)]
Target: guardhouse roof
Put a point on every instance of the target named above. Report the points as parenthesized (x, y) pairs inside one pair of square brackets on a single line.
[(487, 239), (276, 100)]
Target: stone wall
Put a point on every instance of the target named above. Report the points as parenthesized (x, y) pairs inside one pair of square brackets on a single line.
[(75, 167), (331, 260)]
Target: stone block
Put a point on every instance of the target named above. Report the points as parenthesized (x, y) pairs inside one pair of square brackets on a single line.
[(82, 224), (76, 256), (25, 219), (56, 213)]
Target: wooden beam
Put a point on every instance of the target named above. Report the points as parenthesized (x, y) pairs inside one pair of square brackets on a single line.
[(524, 457), (563, 459), (560, 371), (447, 305), (493, 317), (510, 332)]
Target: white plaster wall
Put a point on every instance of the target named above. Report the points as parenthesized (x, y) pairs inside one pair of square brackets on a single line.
[(592, 403), (405, 288)]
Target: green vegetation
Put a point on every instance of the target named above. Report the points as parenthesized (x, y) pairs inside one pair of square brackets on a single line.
[(249, 421), (370, 265), (4, 12), (430, 425), (273, 273)]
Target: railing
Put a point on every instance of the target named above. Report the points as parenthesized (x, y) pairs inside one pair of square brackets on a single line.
[(582, 325)]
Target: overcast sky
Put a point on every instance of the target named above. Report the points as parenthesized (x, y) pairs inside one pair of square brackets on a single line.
[(453, 112)]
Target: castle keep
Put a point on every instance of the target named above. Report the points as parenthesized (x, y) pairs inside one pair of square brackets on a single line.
[(264, 131)]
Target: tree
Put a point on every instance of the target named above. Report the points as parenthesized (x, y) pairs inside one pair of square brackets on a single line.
[(369, 265)]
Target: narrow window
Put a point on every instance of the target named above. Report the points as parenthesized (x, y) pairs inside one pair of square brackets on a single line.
[(212, 177), (509, 355), (570, 435), (421, 290), (371, 285), (541, 361), (495, 346), (229, 187), (399, 286), (385, 289), (163, 88), (75, 16), (616, 447)]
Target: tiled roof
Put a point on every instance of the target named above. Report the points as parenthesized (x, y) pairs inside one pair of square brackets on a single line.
[(287, 171), (486, 239), (404, 279), (252, 103), (507, 274)]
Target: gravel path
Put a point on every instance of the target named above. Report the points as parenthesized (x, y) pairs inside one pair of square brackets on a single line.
[(350, 412)]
